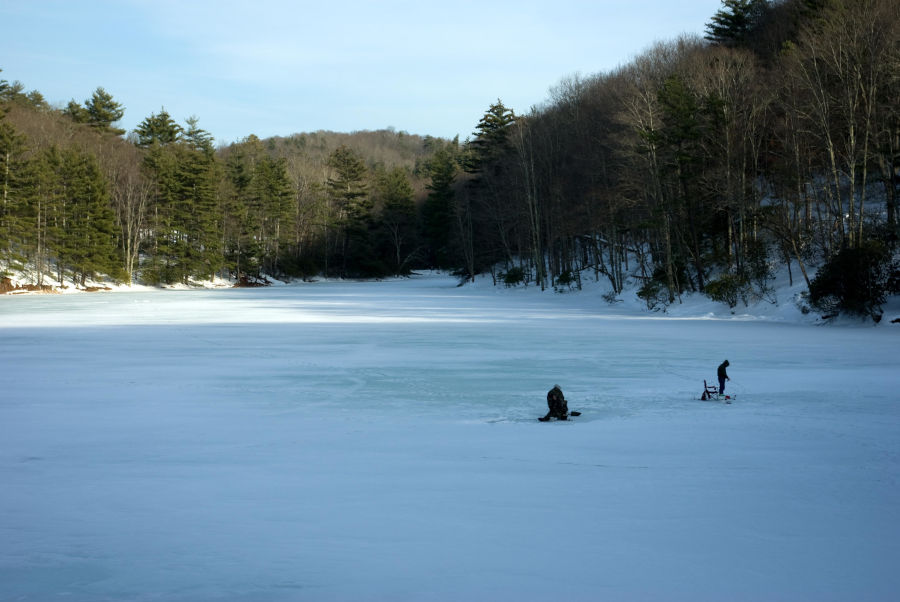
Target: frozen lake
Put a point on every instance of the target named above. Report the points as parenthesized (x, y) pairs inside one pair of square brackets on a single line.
[(379, 441)]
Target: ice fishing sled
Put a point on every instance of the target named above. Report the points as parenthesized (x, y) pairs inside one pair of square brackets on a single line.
[(547, 418), (711, 393)]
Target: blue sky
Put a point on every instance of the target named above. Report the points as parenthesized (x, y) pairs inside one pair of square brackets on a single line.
[(277, 67)]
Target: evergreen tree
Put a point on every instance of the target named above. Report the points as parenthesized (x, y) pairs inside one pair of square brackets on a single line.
[(47, 211), (161, 164), (484, 215), (856, 281), (272, 197), (187, 217), (398, 214), (37, 100), (13, 230), (197, 138), (103, 111), (83, 233), (198, 208), (683, 160), (159, 129), (14, 94), (100, 111), (491, 141), (242, 247), (349, 194), (76, 112), (733, 24), (259, 210), (438, 209)]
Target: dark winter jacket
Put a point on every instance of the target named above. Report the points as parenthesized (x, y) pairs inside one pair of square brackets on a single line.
[(556, 402), (721, 372)]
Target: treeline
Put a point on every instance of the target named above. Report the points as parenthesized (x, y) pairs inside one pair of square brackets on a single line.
[(703, 162), (695, 167), (165, 206)]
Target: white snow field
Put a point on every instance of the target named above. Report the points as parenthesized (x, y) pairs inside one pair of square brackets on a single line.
[(379, 441)]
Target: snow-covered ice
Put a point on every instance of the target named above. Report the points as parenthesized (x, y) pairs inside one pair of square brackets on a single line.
[(378, 441)]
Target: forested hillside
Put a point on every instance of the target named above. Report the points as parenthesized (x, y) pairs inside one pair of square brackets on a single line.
[(164, 206), (698, 166)]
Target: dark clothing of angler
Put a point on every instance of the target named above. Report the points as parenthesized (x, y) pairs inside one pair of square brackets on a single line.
[(556, 402), (723, 376)]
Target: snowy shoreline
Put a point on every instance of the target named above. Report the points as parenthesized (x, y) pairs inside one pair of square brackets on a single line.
[(787, 308)]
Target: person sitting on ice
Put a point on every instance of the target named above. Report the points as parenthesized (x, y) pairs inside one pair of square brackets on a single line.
[(723, 376), (556, 401)]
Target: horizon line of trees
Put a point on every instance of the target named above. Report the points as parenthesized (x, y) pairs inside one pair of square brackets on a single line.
[(695, 167)]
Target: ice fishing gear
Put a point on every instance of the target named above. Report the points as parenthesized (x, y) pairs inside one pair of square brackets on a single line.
[(547, 418), (711, 392)]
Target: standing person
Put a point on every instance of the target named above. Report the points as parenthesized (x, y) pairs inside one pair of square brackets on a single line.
[(556, 401), (723, 376)]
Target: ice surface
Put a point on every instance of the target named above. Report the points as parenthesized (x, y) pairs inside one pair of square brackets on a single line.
[(379, 441)]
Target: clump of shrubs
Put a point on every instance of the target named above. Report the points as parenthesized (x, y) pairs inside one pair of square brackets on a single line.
[(727, 288), (856, 281), (513, 276), (655, 295), (566, 281), (750, 283)]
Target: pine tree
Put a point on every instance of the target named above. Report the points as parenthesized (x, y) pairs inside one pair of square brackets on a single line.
[(259, 209), (438, 209), (161, 164), (198, 209), (197, 138), (187, 217), (47, 216), (349, 194), (272, 196), (12, 182), (483, 218), (103, 111), (100, 111), (242, 248), (733, 24), (158, 129), (14, 93), (397, 216), (76, 112), (491, 141), (83, 222), (684, 159)]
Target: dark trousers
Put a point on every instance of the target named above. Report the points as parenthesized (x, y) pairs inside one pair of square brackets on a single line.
[(721, 386)]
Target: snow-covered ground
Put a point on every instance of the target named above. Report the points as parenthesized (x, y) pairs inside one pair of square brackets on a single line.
[(378, 441)]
